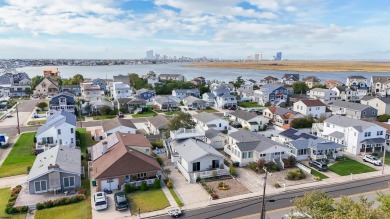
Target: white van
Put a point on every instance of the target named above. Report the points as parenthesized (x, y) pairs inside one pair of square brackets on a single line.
[(100, 201)]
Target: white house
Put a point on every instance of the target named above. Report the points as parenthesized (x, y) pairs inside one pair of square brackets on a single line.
[(90, 91), (356, 81), (250, 120), (59, 129), (195, 158), (315, 108), (225, 101), (246, 146), (206, 121), (192, 102), (183, 93), (292, 134), (209, 98), (347, 93), (359, 136), (111, 126), (216, 138), (380, 104), (325, 95), (120, 90), (166, 103)]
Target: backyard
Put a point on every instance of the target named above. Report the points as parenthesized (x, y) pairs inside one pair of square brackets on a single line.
[(248, 104), (147, 201), (347, 166), (20, 156), (5, 194)]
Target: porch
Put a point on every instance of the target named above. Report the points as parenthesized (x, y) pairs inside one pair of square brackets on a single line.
[(138, 182), (372, 145), (191, 177)]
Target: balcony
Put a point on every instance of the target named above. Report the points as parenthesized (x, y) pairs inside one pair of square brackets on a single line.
[(41, 146), (227, 150), (186, 133)]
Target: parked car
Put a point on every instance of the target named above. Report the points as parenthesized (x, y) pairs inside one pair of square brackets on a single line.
[(100, 201), (120, 201), (174, 212), (372, 159), (297, 215), (319, 165)]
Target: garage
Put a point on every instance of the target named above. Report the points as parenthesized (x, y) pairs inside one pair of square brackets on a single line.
[(110, 184)]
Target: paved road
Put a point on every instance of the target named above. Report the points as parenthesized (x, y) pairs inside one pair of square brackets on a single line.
[(252, 205)]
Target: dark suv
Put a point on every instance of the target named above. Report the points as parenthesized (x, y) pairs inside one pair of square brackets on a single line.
[(120, 201), (319, 165)]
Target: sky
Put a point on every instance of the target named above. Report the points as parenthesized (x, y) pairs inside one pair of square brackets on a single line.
[(126, 29)]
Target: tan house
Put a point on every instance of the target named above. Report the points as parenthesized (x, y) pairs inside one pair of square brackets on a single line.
[(332, 83), (311, 81), (123, 158), (46, 87)]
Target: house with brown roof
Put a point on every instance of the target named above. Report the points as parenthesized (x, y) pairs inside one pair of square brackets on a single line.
[(281, 117), (311, 81), (332, 83), (46, 87), (118, 125), (269, 80), (123, 158), (51, 72), (315, 108)]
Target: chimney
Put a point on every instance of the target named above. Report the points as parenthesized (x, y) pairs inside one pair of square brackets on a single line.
[(104, 147), (55, 166)]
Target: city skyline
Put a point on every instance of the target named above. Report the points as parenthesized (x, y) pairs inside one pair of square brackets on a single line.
[(229, 29)]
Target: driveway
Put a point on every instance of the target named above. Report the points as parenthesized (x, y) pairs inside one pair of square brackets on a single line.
[(192, 195), (25, 109), (13, 181), (110, 212), (251, 180)]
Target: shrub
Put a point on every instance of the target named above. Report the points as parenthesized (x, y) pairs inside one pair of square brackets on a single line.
[(144, 186), (82, 191), (160, 161), (24, 209), (252, 166), (214, 196), (157, 144), (48, 204), (42, 105), (292, 160), (295, 175), (39, 206), (261, 164), (271, 166), (128, 188), (277, 185), (214, 174), (157, 184), (170, 184), (232, 171)]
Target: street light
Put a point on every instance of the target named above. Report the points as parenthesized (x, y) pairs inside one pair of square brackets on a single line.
[(262, 215)]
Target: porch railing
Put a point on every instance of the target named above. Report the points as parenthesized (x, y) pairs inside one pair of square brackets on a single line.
[(183, 171), (138, 183), (210, 173)]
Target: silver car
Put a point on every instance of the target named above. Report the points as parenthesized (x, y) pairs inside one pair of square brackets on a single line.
[(372, 159)]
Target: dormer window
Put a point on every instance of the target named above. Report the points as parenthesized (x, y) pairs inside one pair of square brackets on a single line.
[(62, 100)]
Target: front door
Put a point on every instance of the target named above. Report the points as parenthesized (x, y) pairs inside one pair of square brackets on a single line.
[(195, 166), (215, 164)]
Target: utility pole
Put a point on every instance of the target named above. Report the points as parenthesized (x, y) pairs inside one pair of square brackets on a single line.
[(262, 216), (384, 157), (81, 119), (17, 117)]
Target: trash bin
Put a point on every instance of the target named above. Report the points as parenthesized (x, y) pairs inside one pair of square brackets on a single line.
[(236, 164), (94, 182)]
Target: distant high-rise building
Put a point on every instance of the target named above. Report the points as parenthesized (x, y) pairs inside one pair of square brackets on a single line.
[(278, 56), (149, 54), (258, 57)]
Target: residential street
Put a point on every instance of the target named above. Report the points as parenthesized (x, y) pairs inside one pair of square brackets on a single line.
[(250, 206)]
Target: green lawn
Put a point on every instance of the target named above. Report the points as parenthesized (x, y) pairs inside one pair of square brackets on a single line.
[(147, 201), (146, 114), (101, 117), (170, 113), (348, 166), (387, 159), (210, 110), (85, 139), (177, 199), (37, 122), (41, 112), (248, 104), (1, 114), (5, 194), (20, 157), (316, 173)]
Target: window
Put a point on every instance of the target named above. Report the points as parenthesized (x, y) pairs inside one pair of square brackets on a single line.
[(69, 182), (40, 186), (302, 151), (367, 134), (373, 112), (244, 155), (141, 175), (196, 166), (71, 130), (262, 155), (60, 141), (59, 131), (379, 133), (71, 140)]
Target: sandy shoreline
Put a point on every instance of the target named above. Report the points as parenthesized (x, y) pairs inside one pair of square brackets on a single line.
[(301, 66)]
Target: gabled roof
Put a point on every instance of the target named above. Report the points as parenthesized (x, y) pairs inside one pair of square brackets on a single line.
[(245, 136), (380, 79), (356, 77), (349, 122), (366, 97), (270, 78), (269, 88), (311, 79), (212, 133), (280, 110), (296, 76), (194, 90), (166, 99), (205, 117), (313, 103), (68, 161), (191, 99), (116, 122), (70, 100), (351, 105), (57, 119), (243, 114), (260, 145), (121, 159), (192, 149), (159, 121)]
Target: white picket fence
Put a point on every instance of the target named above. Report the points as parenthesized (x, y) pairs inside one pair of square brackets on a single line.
[(304, 168)]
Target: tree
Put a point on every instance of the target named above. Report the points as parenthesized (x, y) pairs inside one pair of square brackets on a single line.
[(267, 104), (384, 206), (362, 209), (383, 118), (167, 172), (36, 80), (321, 119), (105, 110), (151, 74), (42, 105), (305, 122), (204, 89), (319, 86), (317, 204), (238, 82), (300, 87), (181, 120), (28, 91), (77, 79)]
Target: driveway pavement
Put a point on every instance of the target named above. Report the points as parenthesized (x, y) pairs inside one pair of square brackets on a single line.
[(12, 181), (251, 180), (110, 212), (191, 194)]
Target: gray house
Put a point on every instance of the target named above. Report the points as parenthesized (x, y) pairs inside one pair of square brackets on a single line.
[(101, 83), (353, 110), (63, 101), (191, 102), (73, 88), (183, 93), (56, 169)]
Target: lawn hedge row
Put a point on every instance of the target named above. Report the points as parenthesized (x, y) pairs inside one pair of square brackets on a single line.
[(10, 208), (62, 201)]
